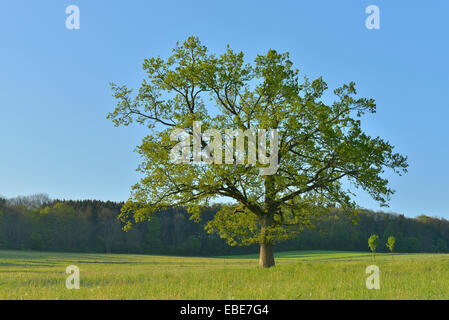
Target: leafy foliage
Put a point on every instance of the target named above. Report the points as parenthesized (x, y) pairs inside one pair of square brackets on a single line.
[(390, 243), (373, 242), (321, 145)]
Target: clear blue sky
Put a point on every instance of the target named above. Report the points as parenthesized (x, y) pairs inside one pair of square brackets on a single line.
[(54, 93)]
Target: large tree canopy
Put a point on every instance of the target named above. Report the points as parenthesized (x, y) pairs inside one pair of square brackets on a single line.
[(322, 150)]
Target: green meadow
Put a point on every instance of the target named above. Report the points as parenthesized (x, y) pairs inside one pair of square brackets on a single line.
[(297, 275)]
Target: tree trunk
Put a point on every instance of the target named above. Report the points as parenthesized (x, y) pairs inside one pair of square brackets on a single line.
[(266, 257)]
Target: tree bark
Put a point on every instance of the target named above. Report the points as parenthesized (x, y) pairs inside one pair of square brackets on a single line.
[(266, 256)]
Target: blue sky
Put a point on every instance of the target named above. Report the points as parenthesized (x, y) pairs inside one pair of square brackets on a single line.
[(54, 92)]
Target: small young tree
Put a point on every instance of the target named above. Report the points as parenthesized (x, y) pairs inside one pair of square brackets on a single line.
[(390, 243), (373, 241)]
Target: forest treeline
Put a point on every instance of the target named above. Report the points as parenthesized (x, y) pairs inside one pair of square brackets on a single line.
[(38, 223)]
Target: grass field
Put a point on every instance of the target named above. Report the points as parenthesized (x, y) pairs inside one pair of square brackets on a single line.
[(298, 275)]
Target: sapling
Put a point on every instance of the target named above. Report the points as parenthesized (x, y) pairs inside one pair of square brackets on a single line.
[(373, 241), (390, 243)]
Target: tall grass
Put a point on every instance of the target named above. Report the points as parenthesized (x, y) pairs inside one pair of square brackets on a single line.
[(298, 275)]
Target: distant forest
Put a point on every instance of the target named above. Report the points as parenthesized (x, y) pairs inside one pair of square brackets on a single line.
[(38, 223)]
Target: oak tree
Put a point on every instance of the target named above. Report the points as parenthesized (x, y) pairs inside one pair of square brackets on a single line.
[(322, 151)]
